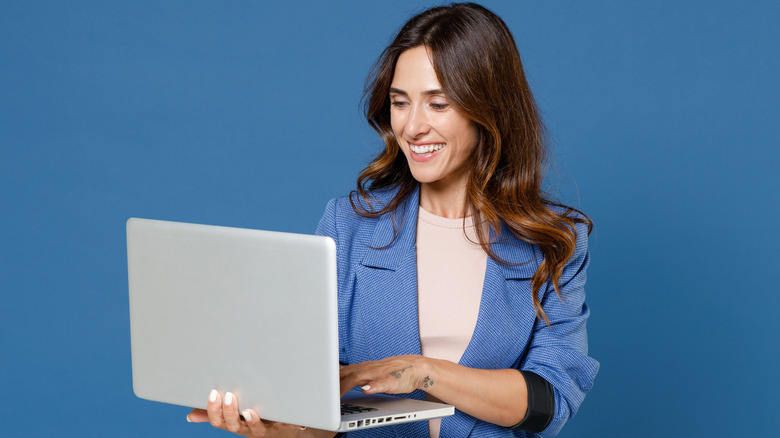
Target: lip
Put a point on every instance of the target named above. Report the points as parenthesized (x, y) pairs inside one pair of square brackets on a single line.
[(428, 156)]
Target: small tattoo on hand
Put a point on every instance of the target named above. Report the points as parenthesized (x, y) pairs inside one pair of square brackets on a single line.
[(427, 382), (397, 374)]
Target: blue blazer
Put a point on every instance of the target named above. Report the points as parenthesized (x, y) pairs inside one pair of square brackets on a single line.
[(377, 305)]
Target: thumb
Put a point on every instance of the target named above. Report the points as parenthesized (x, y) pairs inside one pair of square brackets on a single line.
[(198, 416)]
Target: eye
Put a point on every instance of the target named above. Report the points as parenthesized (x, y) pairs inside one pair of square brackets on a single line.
[(440, 106), (398, 103)]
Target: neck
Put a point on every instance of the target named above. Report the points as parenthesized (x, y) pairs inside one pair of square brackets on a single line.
[(444, 200)]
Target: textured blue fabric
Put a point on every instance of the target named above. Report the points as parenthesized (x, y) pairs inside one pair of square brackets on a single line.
[(377, 305)]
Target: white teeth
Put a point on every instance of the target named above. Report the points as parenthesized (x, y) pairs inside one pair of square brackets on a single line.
[(424, 149)]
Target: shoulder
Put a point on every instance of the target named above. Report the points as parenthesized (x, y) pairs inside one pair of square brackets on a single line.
[(374, 200), (344, 208), (352, 232), (524, 257), (342, 221), (582, 225), (579, 260)]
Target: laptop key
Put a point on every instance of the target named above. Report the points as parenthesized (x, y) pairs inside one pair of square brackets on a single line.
[(353, 409)]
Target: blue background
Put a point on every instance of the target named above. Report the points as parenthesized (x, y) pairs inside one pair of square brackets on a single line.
[(665, 124)]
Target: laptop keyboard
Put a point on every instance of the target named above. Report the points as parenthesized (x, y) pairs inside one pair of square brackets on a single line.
[(354, 409)]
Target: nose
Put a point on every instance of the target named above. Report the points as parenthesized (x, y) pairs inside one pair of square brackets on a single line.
[(417, 123)]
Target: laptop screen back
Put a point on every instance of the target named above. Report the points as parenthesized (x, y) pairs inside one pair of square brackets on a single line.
[(247, 311)]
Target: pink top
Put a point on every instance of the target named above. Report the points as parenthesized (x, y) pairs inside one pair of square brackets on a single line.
[(450, 275)]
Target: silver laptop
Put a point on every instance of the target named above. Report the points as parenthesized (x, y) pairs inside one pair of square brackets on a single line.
[(246, 311)]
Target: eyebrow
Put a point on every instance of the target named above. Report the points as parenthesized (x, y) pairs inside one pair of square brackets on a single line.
[(425, 93)]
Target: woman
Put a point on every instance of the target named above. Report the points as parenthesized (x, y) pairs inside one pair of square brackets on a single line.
[(458, 280)]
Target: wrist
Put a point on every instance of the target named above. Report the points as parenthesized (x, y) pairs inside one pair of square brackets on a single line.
[(426, 373)]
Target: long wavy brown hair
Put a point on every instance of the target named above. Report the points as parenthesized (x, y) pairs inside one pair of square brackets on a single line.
[(478, 65)]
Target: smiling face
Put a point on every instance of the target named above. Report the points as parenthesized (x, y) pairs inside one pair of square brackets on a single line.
[(436, 139)]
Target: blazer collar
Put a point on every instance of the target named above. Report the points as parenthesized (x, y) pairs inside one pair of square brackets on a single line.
[(404, 222), (384, 252)]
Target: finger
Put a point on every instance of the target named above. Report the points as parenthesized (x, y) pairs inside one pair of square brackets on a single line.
[(198, 416), (346, 370), (362, 379), (348, 382), (370, 388), (279, 428), (386, 384), (230, 413), (214, 409), (253, 423)]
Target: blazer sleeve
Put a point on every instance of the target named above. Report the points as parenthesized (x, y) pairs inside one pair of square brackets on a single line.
[(559, 352), (330, 224), (327, 224)]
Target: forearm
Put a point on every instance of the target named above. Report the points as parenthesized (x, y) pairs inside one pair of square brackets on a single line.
[(317, 433), (495, 396)]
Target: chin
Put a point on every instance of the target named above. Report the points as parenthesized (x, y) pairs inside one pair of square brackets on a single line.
[(423, 178)]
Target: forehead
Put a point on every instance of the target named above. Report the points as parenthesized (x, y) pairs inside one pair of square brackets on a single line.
[(414, 72)]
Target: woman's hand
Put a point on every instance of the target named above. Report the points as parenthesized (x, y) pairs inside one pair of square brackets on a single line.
[(222, 412), (392, 375)]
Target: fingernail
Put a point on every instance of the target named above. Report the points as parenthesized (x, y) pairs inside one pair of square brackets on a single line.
[(228, 398), (188, 419), (247, 415), (303, 427), (366, 388), (213, 395)]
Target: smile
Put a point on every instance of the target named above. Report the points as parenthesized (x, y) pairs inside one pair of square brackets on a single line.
[(425, 148)]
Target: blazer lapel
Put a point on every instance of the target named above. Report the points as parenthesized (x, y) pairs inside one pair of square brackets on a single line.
[(503, 325), (387, 287)]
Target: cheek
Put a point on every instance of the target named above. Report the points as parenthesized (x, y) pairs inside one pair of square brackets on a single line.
[(396, 125), (398, 128), (462, 130), (467, 137)]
